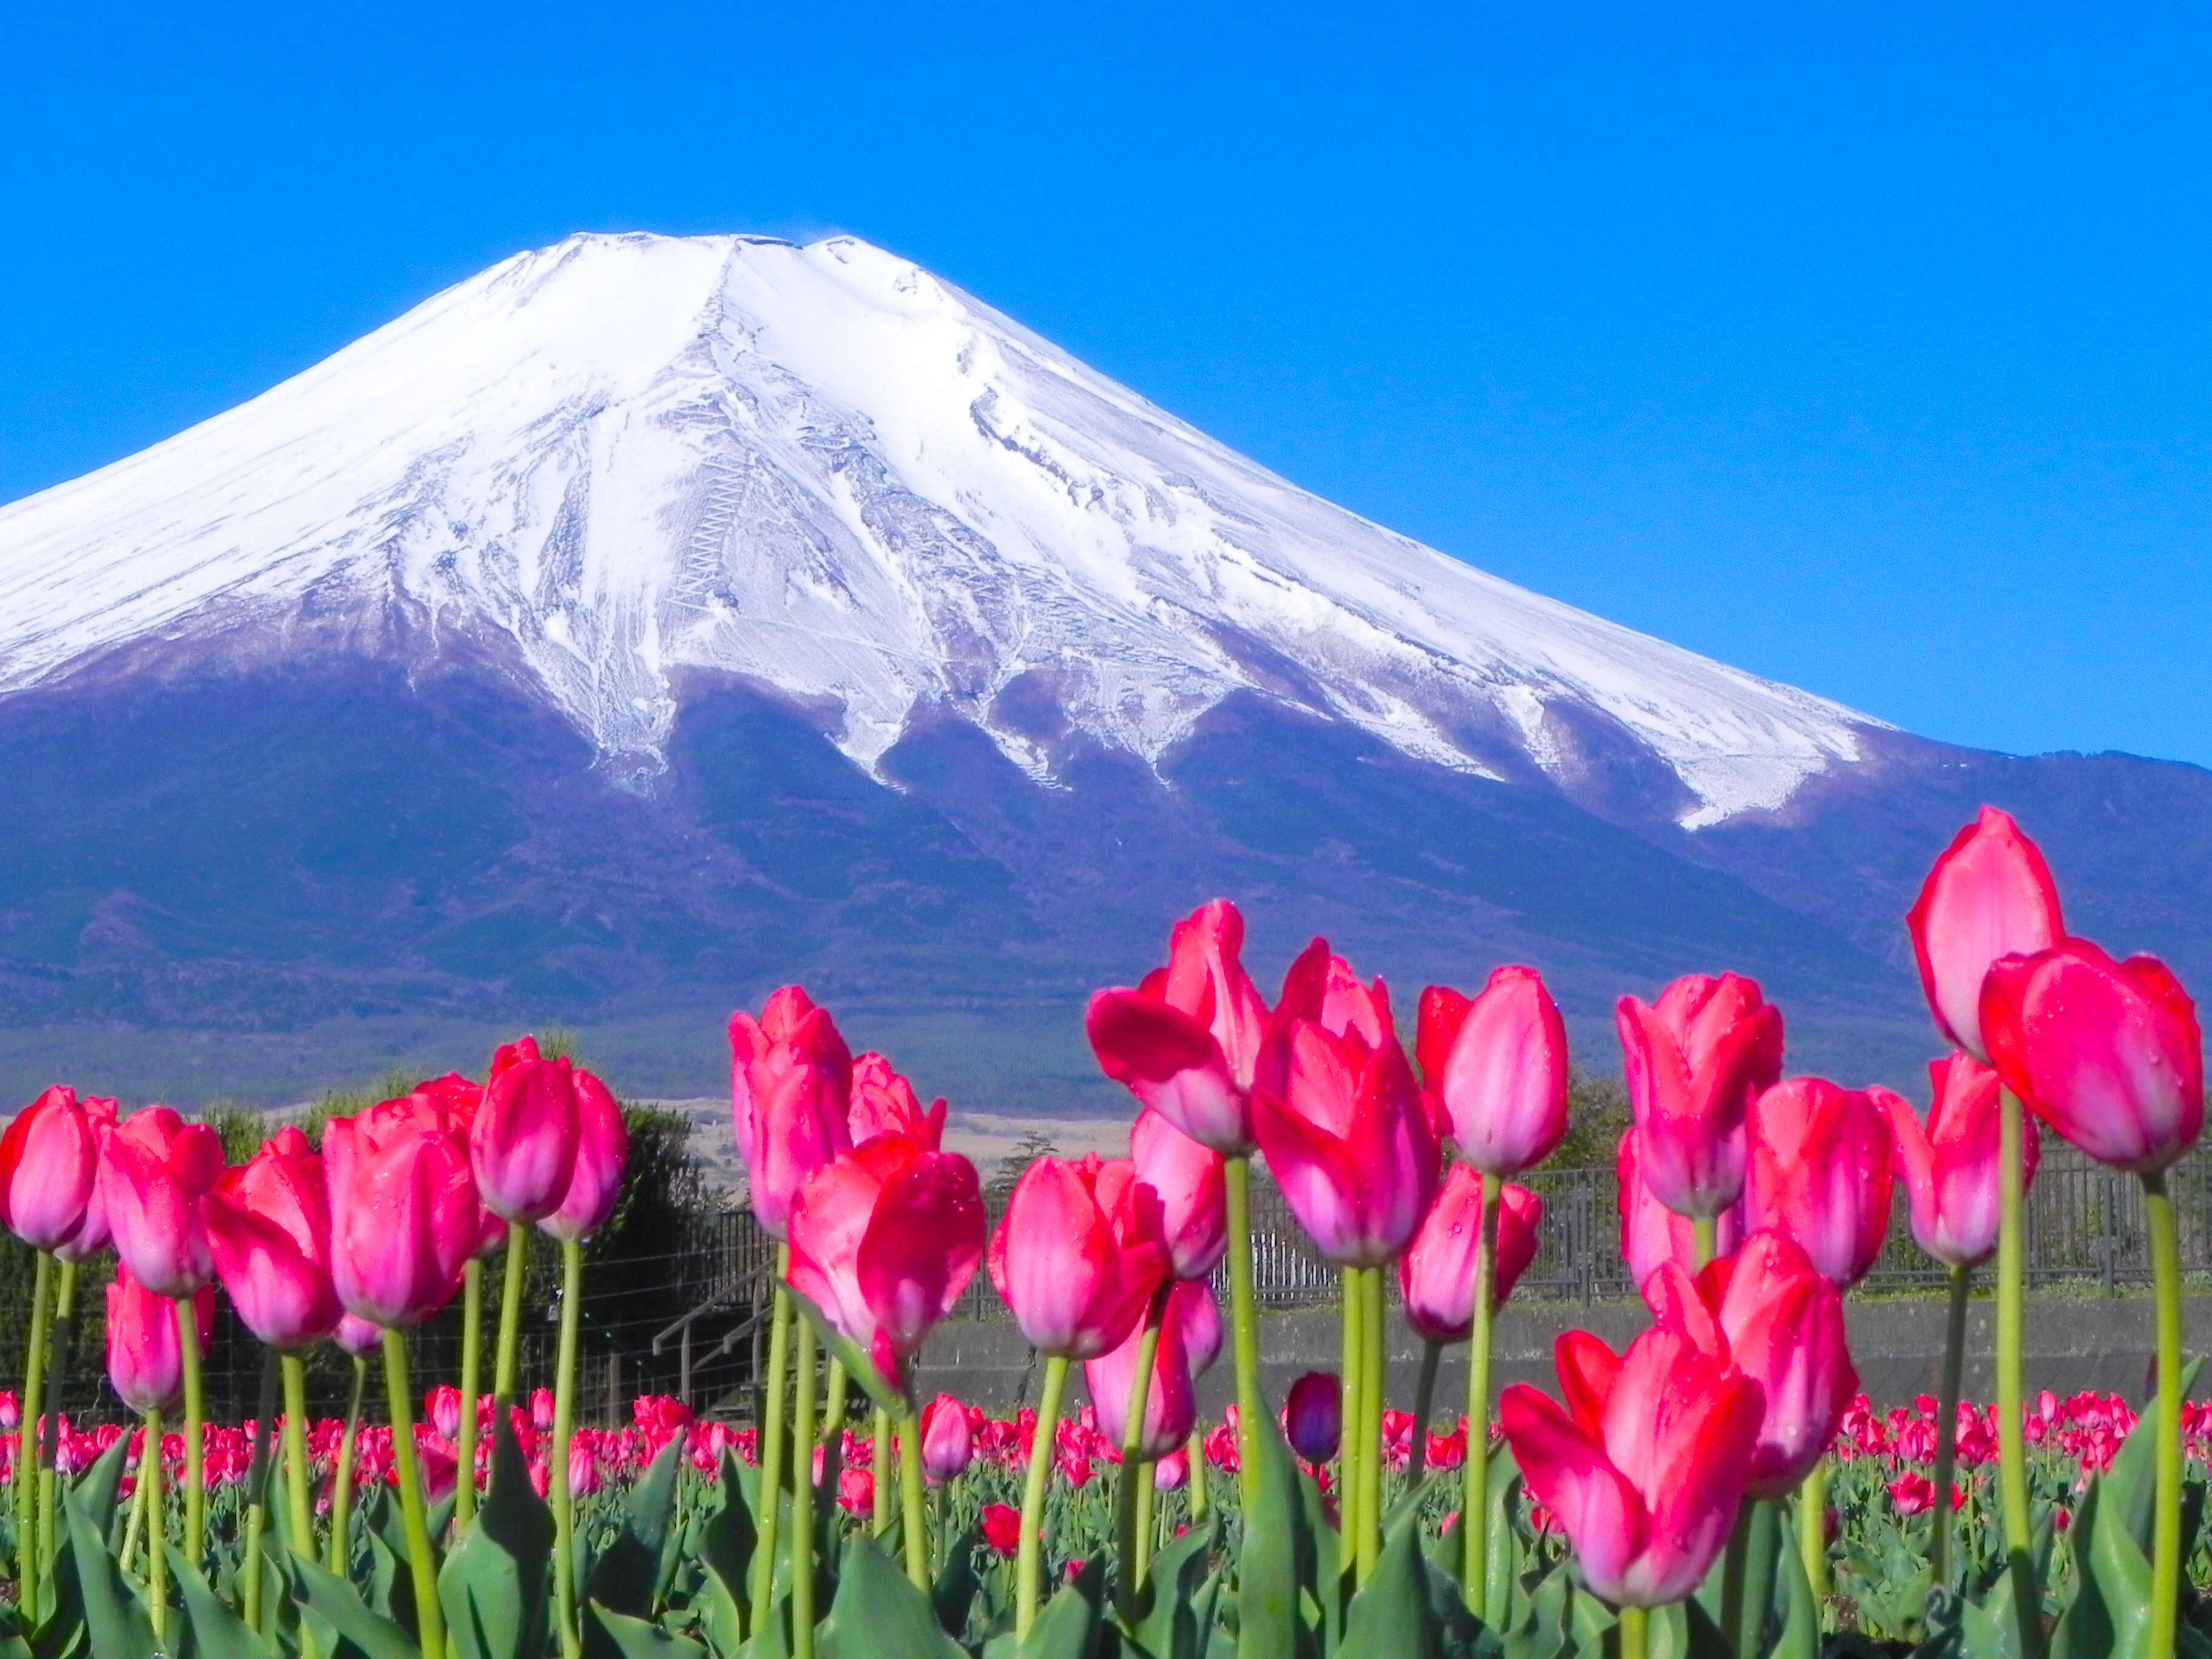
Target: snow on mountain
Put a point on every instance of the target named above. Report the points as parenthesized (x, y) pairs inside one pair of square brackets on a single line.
[(621, 457)]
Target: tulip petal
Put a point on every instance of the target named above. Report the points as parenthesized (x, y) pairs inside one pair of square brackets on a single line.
[(1601, 1511)]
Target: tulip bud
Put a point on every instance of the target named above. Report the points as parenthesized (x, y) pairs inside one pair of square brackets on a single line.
[(541, 1409), (405, 1215), (1990, 895), (1950, 1164), (442, 1406), (791, 1080), (1312, 1416), (144, 1360), (1078, 1254), (49, 1159), (155, 1170), (1496, 1068), (1200, 1319), (1172, 1473), (884, 1103), (357, 1336), (948, 1442), (522, 1139), (1171, 1403), (595, 1177), (1436, 1276), (1192, 1193), (1820, 1171), (269, 1229), (1650, 1233), (1695, 1061)]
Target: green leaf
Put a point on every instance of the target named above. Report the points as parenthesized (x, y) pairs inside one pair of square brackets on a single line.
[(493, 1587), (97, 1492), (1502, 1591), (878, 1614), (62, 1602), (218, 1632), (1068, 1627), (2131, 1483), (377, 1637), (627, 1578), (1278, 1560), (954, 1592), (1174, 1612), (114, 1618), (634, 1639), (1549, 1630), (1391, 1613), (1801, 1611)]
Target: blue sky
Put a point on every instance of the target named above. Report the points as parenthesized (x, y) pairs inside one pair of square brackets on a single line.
[(1863, 347)]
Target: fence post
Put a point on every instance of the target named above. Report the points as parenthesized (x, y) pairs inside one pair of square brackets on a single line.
[(684, 1368)]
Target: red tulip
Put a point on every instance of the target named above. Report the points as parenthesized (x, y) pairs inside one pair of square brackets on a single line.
[(50, 1158), (155, 1170), (1436, 1276), (2106, 1053), (1695, 1061), (404, 1216), (1496, 1067), (791, 1084), (1186, 1041), (1820, 1171), (602, 1152), (522, 1139), (1192, 1194), (1078, 1254), (1990, 895), (1950, 1163), (1313, 1415), (1650, 1233), (1769, 1313), (948, 1440), (145, 1361), (1340, 1116), (882, 1241), (1002, 1529), (1644, 1466), (269, 1228), (883, 1103), (1170, 1403)]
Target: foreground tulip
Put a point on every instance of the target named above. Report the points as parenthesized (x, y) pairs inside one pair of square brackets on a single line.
[(1495, 1067), (269, 1229), (1949, 1164), (882, 1103), (1312, 1416), (1644, 1466), (790, 1081), (1821, 1172), (522, 1137), (1650, 1233), (1695, 1061), (1436, 1275), (403, 1213), (948, 1440), (157, 1169), (1188, 1179), (50, 1159), (595, 1176), (1990, 895)]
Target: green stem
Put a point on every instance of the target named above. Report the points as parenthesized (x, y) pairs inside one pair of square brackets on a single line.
[(1244, 1325), (1946, 1422), (771, 1448), (26, 1433), (1370, 1433), (430, 1631), (564, 1429), (1030, 1565), (1812, 1528), (1474, 1501), (1351, 1386), (1765, 1540), (157, 1536), (2166, 1532), (1733, 1563), (301, 1505), (1132, 1438), (341, 1556), (135, 1527), (916, 1525), (57, 1349), (510, 1315), (464, 1442), (1706, 1231), (1425, 1406), (188, 1347), (2011, 1444), (831, 1435), (257, 1493), (1200, 1498), (1635, 1633), (879, 1462), (802, 1495), (1144, 1541)]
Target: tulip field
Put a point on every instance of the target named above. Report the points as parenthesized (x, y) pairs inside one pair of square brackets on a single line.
[(1720, 1487)]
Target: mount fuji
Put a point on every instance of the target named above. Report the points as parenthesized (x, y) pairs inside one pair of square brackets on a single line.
[(647, 620)]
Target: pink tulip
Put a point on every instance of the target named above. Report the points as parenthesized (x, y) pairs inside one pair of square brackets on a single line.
[(522, 1138), (1950, 1163), (50, 1158), (1646, 1466), (1193, 1194), (145, 1361), (1186, 1041), (883, 1103), (1821, 1172), (948, 1440), (791, 1084), (882, 1241), (1990, 895), (1650, 1233), (442, 1408), (155, 1170), (1436, 1275), (1312, 1416), (405, 1215), (1078, 1254), (1340, 1116), (1767, 1311), (1171, 1403), (2106, 1053), (1172, 1473), (1200, 1319), (1496, 1067), (595, 1177), (358, 1337), (451, 1101), (269, 1229), (1695, 1061)]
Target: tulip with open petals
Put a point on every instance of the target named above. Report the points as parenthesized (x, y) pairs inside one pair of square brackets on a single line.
[(2106, 1053), (882, 1103), (1990, 895), (1695, 1061), (790, 1085), (405, 1215), (1821, 1172), (1644, 1466), (1436, 1275), (1171, 1403), (1186, 1041), (50, 1158), (1193, 1194), (144, 1362), (153, 1174), (948, 1440), (1769, 1313), (1650, 1233), (268, 1228), (1078, 1254), (1950, 1163), (883, 1241), (1495, 1067), (1313, 1414), (1339, 1116), (595, 1176)]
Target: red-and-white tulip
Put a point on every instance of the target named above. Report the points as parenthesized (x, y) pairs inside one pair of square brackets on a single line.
[(1192, 1193), (1950, 1163), (1078, 1254), (156, 1170), (1821, 1172), (405, 1215), (1650, 1233), (1436, 1275), (948, 1440), (1695, 1061), (145, 1361), (1990, 895), (1495, 1070), (790, 1085), (1186, 1041), (2106, 1053), (50, 1156), (883, 1103), (1646, 1466), (1170, 1403), (1339, 1116), (269, 1228)]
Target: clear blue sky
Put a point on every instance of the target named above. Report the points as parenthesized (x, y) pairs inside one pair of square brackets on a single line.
[(1865, 347)]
